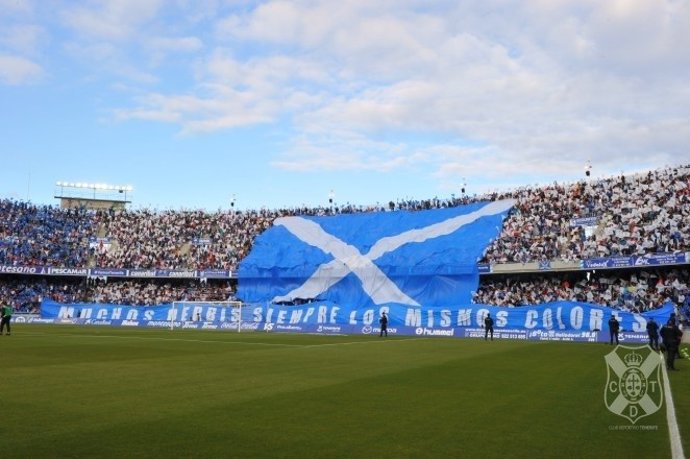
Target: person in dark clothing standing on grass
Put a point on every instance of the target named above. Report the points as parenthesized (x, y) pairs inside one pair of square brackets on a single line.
[(653, 334), (384, 324), (6, 314), (671, 335), (614, 327), (488, 327)]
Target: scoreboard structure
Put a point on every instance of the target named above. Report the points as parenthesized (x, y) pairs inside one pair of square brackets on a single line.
[(92, 195)]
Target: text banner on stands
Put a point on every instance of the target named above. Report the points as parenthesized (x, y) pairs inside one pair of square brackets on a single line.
[(118, 272), (564, 321), (628, 262)]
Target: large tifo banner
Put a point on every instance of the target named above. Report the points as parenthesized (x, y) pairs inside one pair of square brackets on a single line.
[(558, 321), (407, 258)]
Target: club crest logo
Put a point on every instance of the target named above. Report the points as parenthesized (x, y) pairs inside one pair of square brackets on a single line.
[(633, 384)]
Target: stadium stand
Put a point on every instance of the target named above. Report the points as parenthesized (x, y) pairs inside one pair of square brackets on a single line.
[(636, 215)]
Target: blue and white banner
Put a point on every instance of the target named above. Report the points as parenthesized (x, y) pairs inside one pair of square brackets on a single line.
[(584, 221), (118, 272), (639, 261), (372, 259), (558, 321)]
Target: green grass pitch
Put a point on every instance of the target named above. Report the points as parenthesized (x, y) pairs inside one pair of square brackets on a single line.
[(116, 392)]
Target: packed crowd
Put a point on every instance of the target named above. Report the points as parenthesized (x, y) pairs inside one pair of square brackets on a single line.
[(634, 215), (634, 291), (25, 293), (179, 239), (638, 215), (43, 235)]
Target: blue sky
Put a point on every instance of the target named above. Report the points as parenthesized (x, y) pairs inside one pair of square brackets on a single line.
[(277, 103)]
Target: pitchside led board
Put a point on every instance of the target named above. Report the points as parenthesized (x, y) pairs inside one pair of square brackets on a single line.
[(337, 274)]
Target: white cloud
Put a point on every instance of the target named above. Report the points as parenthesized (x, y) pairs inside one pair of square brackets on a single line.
[(22, 38), (15, 70), (111, 20), (477, 84), (175, 44), (16, 7)]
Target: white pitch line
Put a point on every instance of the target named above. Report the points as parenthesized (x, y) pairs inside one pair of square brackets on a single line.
[(673, 431)]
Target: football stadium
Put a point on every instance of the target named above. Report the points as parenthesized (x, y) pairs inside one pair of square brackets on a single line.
[(467, 327), (344, 229)]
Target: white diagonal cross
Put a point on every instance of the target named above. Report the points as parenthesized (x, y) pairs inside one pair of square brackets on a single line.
[(347, 259)]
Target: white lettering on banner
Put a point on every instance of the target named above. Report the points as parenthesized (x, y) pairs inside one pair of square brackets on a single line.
[(547, 319), (639, 324), (296, 316), (531, 318), (182, 274), (576, 316), (68, 271), (353, 318), (595, 319), (434, 332), (501, 318), (19, 269), (480, 316), (413, 318), (281, 317), (65, 312), (130, 323), (368, 317), (445, 318), (429, 318), (559, 316), (464, 317), (334, 313), (98, 322)]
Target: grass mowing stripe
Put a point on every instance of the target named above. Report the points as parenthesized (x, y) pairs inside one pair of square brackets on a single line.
[(154, 338), (364, 342), (80, 335)]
